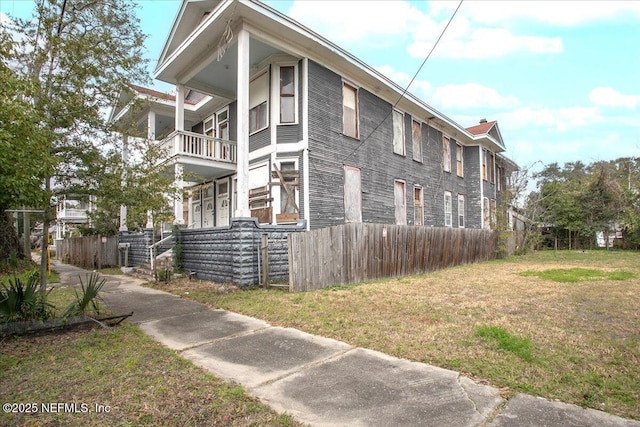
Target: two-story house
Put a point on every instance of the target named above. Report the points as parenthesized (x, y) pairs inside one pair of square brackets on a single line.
[(271, 120)]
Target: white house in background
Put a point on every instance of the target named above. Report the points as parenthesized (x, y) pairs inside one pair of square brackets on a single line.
[(72, 213)]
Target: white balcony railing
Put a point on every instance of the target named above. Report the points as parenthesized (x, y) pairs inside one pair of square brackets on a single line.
[(200, 146), (72, 214)]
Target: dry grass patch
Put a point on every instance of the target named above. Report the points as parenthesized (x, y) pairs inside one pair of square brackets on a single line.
[(584, 336), (138, 380)]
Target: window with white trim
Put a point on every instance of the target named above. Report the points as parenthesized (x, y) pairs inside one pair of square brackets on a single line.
[(486, 213), (259, 102), (398, 132), (485, 155), (400, 201), (461, 210), (287, 94), (416, 137), (446, 153), (460, 160), (418, 205), (448, 218), (350, 110)]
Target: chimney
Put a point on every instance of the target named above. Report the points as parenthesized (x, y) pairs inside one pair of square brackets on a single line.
[(482, 121)]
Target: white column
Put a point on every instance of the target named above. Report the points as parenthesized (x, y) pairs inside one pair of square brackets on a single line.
[(149, 219), (123, 208), (242, 206), (177, 204), (151, 125), (179, 107)]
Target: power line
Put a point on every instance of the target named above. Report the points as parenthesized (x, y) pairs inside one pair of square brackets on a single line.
[(409, 85)]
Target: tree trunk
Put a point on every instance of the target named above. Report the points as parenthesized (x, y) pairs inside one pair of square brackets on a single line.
[(9, 241)]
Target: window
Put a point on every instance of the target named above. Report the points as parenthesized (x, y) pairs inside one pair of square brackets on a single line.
[(287, 198), (446, 154), (352, 195), (287, 95), (400, 201), (448, 219), (398, 132), (492, 169), (350, 110), (486, 217), (484, 164), (416, 137), (461, 210), (499, 177), (223, 123), (493, 213), (459, 160), (259, 102), (418, 205)]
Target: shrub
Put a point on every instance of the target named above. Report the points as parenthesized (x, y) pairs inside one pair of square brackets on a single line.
[(21, 300)]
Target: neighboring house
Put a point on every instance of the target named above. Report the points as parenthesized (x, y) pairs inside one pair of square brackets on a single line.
[(72, 213), (271, 120)]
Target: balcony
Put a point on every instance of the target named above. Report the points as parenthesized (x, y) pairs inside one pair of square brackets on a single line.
[(72, 215), (201, 154)]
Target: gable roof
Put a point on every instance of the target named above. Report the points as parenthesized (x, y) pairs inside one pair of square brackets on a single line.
[(489, 129)]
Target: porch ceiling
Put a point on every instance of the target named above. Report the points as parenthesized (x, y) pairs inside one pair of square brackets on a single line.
[(220, 77)]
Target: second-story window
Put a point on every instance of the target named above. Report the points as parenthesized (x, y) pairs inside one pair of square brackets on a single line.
[(459, 160), (350, 110), (398, 132), (416, 137), (259, 102), (287, 95), (446, 154)]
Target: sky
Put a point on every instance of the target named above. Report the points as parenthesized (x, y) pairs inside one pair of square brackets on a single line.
[(561, 78)]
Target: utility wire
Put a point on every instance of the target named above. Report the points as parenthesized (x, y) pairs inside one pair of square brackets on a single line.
[(404, 92)]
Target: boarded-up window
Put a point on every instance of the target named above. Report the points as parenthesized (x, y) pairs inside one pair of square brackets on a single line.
[(446, 154), (416, 136), (350, 110), (459, 160), (400, 202), (461, 210), (499, 177), (258, 102), (491, 166), (486, 213), (398, 132), (352, 195), (448, 219), (493, 213), (418, 205), (287, 95), (287, 198), (484, 164)]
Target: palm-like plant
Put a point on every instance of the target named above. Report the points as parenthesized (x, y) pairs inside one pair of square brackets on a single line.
[(88, 298), (20, 300)]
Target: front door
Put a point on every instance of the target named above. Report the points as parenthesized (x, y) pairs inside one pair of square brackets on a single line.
[(222, 202)]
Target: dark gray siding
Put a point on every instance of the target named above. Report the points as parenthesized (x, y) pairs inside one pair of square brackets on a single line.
[(288, 134), (197, 128), (233, 121), (373, 153), (473, 177), (260, 139)]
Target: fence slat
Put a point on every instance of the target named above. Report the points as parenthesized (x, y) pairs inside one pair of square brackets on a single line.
[(88, 251), (355, 252)]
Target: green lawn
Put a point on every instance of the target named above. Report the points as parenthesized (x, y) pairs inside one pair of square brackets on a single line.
[(517, 324)]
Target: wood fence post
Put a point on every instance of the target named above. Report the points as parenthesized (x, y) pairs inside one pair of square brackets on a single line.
[(264, 254)]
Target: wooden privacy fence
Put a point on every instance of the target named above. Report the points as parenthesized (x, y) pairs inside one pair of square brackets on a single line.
[(88, 251), (356, 252)]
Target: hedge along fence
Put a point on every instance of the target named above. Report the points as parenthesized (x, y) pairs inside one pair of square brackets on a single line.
[(353, 253)]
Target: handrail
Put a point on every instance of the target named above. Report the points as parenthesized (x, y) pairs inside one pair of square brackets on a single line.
[(152, 256)]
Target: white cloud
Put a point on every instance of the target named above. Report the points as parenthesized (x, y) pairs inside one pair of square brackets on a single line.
[(375, 20), (609, 97), (558, 13), (486, 43), (471, 95), (420, 88), (563, 119)]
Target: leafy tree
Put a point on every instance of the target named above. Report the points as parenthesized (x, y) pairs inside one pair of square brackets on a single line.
[(76, 56), (23, 163)]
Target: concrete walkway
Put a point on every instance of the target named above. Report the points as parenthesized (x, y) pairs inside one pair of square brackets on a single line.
[(324, 382)]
